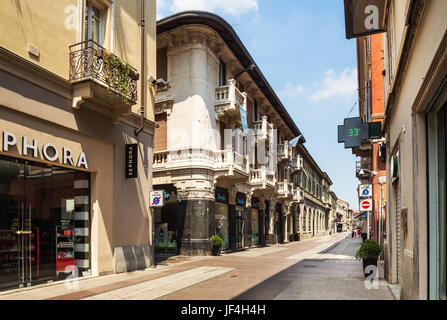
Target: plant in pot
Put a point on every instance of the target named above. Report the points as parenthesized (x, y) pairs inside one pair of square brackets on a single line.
[(369, 252), (216, 245)]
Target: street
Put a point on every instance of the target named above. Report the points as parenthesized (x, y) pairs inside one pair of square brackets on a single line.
[(317, 269)]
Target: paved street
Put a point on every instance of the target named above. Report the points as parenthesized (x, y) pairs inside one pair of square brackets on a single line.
[(319, 268)]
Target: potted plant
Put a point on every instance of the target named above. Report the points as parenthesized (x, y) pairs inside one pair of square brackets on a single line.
[(216, 245), (369, 252)]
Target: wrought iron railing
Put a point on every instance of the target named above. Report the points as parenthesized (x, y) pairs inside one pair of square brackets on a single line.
[(90, 61)]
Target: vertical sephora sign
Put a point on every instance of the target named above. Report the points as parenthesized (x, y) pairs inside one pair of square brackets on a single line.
[(131, 161)]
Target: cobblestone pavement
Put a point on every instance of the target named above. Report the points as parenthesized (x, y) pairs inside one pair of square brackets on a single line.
[(319, 268)]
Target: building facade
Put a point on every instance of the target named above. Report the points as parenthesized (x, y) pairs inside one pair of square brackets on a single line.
[(70, 104), (415, 77), (371, 168), (223, 151)]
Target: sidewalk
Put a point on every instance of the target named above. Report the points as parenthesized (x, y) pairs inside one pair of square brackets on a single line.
[(334, 274), (320, 268)]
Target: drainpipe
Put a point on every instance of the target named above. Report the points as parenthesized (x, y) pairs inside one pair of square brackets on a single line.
[(143, 78)]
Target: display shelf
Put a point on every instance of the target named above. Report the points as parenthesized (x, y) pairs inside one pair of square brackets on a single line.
[(65, 247)]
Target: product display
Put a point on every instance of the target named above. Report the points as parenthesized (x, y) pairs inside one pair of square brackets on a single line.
[(65, 247)]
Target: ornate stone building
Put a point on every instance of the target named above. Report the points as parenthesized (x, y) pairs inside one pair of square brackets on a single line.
[(222, 148)]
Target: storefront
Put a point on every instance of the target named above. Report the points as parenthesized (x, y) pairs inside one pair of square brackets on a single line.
[(166, 220), (254, 219), (44, 222), (221, 216), (241, 201)]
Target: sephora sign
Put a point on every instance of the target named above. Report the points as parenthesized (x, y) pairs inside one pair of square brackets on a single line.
[(49, 151)]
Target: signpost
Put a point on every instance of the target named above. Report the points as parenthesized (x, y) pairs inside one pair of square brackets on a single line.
[(157, 199)]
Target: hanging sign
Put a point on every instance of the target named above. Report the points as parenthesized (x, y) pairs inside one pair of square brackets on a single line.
[(243, 118), (366, 205), (353, 132), (365, 191), (365, 17), (131, 161)]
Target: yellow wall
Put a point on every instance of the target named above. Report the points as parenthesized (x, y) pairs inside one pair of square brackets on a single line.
[(51, 27)]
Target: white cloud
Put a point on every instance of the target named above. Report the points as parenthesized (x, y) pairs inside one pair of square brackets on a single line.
[(291, 91), (333, 85), (233, 7), (159, 16)]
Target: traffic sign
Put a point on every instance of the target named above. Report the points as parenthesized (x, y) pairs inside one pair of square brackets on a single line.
[(365, 191), (157, 199), (366, 205)]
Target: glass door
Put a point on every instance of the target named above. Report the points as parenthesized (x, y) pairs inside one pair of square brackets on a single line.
[(12, 208)]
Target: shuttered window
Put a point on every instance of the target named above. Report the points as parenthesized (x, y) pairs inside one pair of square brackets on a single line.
[(161, 133)]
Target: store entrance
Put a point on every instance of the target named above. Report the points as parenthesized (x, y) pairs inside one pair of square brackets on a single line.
[(36, 222)]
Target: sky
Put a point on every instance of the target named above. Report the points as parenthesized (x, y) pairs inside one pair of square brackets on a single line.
[(301, 48)]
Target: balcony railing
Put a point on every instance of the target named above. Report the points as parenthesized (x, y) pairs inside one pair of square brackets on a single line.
[(285, 189), (297, 163), (298, 194), (262, 178), (228, 100), (90, 61), (284, 151), (263, 129)]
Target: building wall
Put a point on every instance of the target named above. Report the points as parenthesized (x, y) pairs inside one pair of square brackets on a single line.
[(36, 100), (54, 33), (405, 132)]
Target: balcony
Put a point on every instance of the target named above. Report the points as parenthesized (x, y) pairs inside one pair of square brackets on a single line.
[(298, 194), (285, 189), (227, 160), (262, 129), (102, 79), (229, 100), (284, 151), (231, 161), (297, 164), (261, 178)]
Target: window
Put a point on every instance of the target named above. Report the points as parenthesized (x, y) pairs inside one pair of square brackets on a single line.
[(93, 23), (255, 110), (162, 63), (222, 74)]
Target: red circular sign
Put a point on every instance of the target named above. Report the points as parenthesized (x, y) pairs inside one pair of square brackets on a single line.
[(365, 205)]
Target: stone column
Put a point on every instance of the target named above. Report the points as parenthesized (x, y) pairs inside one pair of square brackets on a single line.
[(196, 214)]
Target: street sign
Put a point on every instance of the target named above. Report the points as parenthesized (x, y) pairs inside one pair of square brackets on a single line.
[(157, 199), (365, 191), (366, 205)]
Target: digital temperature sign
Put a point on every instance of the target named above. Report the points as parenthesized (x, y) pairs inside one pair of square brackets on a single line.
[(353, 132)]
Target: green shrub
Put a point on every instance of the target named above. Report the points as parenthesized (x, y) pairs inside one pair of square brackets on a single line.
[(369, 249), (216, 241)]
